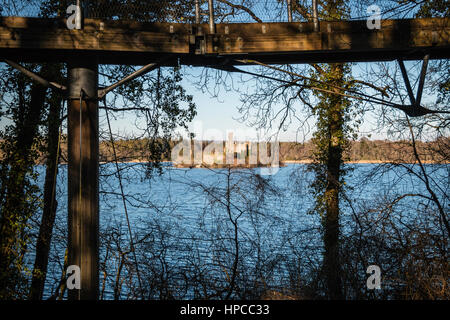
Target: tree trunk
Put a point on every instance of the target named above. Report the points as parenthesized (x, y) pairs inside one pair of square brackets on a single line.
[(331, 224), (332, 192), (13, 209), (50, 205)]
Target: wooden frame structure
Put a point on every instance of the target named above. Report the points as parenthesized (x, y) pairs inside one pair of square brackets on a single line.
[(158, 44), (134, 43)]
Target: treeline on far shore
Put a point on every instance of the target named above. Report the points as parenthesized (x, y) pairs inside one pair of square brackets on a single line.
[(363, 150)]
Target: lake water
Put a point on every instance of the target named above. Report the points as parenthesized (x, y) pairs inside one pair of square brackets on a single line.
[(182, 214)]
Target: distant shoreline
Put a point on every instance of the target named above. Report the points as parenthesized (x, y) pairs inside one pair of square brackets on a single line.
[(136, 151), (366, 162), (285, 162)]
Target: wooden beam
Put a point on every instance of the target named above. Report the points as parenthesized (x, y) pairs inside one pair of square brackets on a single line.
[(124, 42)]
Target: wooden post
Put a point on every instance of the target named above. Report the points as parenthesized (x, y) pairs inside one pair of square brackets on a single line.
[(289, 10), (197, 11), (212, 26), (83, 205), (315, 16)]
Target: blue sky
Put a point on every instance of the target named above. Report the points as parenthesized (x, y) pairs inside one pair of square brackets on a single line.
[(220, 114)]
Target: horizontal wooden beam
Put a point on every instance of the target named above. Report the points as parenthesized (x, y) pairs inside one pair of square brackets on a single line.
[(134, 43)]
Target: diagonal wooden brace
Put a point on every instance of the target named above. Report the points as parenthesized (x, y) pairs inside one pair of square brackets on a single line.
[(36, 77), (407, 83)]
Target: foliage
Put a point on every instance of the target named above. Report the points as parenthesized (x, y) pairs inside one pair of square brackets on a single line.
[(162, 106), (434, 8), (20, 194), (331, 138)]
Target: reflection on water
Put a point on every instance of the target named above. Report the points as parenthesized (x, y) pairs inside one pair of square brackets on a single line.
[(182, 214)]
